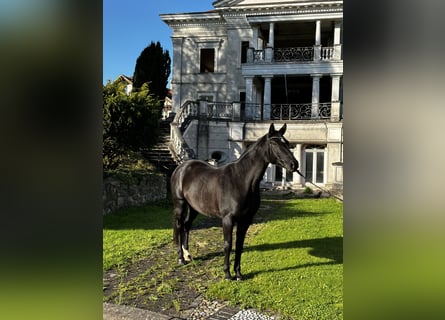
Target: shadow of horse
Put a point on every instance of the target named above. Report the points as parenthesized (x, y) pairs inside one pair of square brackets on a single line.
[(329, 248)]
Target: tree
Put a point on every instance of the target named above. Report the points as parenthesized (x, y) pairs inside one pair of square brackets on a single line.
[(153, 66), (130, 122)]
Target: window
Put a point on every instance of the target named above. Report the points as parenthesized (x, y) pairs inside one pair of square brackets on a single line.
[(315, 164), (209, 97), (279, 174), (244, 47), (207, 63)]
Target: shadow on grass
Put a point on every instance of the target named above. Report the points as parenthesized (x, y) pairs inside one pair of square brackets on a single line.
[(330, 248)]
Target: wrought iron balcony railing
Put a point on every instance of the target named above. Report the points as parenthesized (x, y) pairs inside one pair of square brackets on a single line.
[(293, 54), (303, 111)]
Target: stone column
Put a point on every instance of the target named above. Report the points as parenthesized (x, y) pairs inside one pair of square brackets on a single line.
[(267, 98), (255, 37), (315, 94), (337, 43), (335, 97), (317, 46), (203, 109), (249, 98), (176, 81), (297, 179), (272, 173), (271, 35)]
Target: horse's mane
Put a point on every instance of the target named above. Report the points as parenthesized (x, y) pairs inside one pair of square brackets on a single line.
[(252, 147)]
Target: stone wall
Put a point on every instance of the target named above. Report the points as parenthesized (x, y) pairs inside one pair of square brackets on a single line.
[(122, 191)]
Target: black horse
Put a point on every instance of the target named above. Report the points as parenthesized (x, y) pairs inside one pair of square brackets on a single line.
[(230, 192)]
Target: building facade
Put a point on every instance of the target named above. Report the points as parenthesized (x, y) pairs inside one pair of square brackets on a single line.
[(248, 63)]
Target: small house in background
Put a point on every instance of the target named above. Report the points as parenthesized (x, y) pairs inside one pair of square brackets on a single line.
[(128, 81)]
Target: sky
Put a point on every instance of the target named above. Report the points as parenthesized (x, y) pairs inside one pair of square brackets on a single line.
[(129, 27)]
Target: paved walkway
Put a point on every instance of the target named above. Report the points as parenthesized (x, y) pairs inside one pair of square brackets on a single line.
[(121, 312)]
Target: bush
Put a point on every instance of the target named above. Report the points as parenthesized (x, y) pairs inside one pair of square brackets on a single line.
[(308, 190), (130, 122)]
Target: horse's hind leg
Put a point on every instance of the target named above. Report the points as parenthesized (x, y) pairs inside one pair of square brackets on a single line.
[(191, 215), (179, 213)]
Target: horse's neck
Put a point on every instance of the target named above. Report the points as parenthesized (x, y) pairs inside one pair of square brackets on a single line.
[(252, 166)]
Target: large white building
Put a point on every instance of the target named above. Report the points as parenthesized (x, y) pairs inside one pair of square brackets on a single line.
[(248, 63)]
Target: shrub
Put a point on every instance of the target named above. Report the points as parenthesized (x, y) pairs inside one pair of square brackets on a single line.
[(130, 122)]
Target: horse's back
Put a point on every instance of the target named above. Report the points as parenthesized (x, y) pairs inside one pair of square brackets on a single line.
[(186, 173), (200, 185)]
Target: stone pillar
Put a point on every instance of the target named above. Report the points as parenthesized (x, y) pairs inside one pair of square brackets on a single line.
[(273, 171), (268, 54), (255, 37), (176, 81), (315, 94), (236, 111), (317, 46), (203, 112), (271, 35), (250, 112), (250, 55), (267, 98), (337, 39), (297, 179), (335, 97)]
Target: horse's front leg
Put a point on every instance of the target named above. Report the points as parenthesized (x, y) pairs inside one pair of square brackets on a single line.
[(227, 224), (178, 225), (241, 230)]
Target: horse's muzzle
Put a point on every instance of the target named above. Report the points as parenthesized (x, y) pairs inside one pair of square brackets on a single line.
[(292, 166)]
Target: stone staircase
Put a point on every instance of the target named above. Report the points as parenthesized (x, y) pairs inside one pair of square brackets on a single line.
[(159, 155)]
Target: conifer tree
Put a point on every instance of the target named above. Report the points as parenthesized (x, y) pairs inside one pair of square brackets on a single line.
[(153, 66)]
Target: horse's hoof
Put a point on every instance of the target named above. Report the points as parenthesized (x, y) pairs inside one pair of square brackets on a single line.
[(181, 262), (188, 258), (187, 255), (239, 278), (228, 277)]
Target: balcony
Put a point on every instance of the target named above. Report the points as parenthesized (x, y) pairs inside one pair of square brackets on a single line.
[(238, 111), (293, 54)]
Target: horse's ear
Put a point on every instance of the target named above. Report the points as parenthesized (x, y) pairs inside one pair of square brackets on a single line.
[(271, 129), (283, 129)]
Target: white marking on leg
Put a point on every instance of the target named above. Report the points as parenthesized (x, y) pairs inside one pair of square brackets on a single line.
[(187, 255)]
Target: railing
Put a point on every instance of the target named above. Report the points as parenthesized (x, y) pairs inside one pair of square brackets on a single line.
[(258, 55), (293, 54), (304, 111), (251, 111), (219, 110), (189, 111), (327, 53), (179, 147)]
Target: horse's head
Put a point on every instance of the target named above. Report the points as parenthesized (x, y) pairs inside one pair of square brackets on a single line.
[(279, 149)]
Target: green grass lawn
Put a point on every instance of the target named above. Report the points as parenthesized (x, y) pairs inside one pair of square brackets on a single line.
[(293, 265), (128, 233), (292, 261)]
